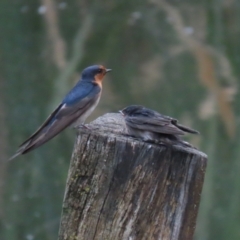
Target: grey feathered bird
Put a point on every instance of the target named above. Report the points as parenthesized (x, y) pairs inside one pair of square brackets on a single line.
[(150, 125)]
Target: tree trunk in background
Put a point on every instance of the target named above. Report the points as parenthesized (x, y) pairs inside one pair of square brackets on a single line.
[(122, 188)]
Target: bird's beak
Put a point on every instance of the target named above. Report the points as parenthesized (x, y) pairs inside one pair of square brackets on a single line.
[(108, 70), (121, 112)]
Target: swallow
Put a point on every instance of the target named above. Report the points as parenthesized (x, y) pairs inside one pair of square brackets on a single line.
[(150, 125), (77, 105)]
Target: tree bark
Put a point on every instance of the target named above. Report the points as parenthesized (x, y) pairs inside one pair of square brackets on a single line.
[(123, 188)]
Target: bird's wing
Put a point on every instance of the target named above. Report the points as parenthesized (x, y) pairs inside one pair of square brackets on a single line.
[(174, 122), (187, 129), (63, 116), (158, 118), (159, 125)]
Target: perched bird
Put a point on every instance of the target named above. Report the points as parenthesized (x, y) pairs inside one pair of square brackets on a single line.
[(77, 105), (150, 125)]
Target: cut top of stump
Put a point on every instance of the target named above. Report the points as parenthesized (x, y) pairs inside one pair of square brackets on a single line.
[(113, 125)]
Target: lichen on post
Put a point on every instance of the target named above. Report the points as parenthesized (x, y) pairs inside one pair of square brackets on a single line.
[(119, 187)]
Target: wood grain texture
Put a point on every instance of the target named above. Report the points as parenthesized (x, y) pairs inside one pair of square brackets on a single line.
[(123, 188)]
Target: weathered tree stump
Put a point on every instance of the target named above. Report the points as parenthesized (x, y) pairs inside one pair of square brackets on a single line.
[(123, 188)]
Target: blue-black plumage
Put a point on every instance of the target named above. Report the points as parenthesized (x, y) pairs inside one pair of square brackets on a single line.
[(77, 105)]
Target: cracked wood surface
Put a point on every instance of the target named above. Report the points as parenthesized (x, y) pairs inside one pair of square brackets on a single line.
[(123, 188)]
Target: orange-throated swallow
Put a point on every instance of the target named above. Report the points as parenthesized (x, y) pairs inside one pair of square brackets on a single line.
[(150, 125), (77, 105)]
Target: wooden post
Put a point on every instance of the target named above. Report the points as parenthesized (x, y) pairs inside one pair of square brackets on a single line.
[(120, 188)]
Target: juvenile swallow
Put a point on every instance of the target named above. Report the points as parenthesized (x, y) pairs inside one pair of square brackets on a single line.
[(150, 125), (77, 105)]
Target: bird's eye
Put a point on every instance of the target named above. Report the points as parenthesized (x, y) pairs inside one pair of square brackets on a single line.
[(99, 70)]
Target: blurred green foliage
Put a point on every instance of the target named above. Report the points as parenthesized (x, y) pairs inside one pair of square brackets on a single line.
[(178, 57)]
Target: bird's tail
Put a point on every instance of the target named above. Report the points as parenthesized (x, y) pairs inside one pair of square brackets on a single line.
[(33, 142), (187, 129), (24, 148), (14, 156)]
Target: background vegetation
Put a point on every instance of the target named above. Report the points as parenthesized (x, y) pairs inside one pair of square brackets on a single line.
[(179, 57)]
